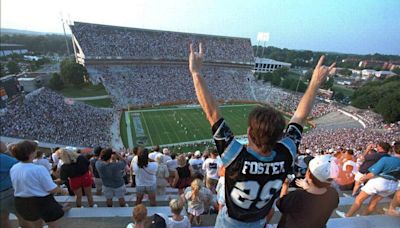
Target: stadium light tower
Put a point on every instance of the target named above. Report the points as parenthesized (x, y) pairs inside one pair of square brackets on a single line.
[(262, 37), (65, 35)]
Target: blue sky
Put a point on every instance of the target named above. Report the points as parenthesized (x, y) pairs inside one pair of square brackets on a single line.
[(348, 26)]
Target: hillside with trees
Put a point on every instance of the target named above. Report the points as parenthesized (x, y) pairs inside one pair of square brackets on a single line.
[(39, 44), (307, 58), (381, 96)]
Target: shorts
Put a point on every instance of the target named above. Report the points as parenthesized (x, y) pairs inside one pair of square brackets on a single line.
[(380, 186), (7, 204), (83, 181), (146, 189), (172, 173), (35, 208), (195, 212), (211, 183), (223, 220), (119, 192), (358, 176)]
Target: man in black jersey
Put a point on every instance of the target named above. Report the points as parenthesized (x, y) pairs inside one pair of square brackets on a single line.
[(254, 174)]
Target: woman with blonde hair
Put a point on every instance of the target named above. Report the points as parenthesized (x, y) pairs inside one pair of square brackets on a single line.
[(182, 174), (76, 170), (196, 200)]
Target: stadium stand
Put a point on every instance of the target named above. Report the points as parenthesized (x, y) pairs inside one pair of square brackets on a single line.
[(146, 67), (47, 116)]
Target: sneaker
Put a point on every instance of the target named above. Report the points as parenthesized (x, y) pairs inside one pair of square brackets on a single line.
[(95, 205), (126, 205), (341, 214)]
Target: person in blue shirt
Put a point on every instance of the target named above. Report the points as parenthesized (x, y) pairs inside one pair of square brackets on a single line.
[(382, 180), (6, 191)]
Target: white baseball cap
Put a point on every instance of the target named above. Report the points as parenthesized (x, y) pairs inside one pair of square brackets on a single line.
[(197, 153), (308, 151), (324, 168), (153, 156)]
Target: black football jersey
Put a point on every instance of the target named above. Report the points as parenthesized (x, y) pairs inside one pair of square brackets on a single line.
[(253, 181)]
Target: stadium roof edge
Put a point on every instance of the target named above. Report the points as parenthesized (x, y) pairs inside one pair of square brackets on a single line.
[(155, 30)]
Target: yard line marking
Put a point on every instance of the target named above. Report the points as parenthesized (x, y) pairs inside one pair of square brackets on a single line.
[(128, 129), (148, 132)]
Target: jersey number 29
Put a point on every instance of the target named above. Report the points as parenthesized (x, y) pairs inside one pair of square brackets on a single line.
[(245, 193)]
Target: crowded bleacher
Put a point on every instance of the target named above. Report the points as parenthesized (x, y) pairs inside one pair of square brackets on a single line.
[(49, 117), (158, 84), (103, 41)]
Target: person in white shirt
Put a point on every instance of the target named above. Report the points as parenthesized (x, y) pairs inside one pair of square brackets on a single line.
[(177, 220), (154, 153), (39, 160), (196, 164), (167, 155), (145, 177), (172, 165), (33, 188), (210, 166)]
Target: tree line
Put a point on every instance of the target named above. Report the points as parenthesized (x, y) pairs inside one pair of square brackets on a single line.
[(381, 96), (307, 58), (40, 44)]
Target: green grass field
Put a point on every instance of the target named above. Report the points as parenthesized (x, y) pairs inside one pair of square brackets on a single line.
[(85, 90), (101, 103), (174, 125)]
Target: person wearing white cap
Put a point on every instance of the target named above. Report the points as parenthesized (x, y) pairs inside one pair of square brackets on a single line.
[(167, 155), (196, 164), (303, 208)]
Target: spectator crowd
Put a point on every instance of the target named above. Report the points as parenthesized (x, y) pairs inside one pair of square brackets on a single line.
[(201, 183), (48, 117), (103, 41), (160, 84)]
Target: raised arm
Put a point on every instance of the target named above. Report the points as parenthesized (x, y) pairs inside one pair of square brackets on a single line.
[(205, 98), (306, 102)]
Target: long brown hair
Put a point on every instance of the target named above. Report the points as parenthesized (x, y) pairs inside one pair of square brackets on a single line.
[(266, 127)]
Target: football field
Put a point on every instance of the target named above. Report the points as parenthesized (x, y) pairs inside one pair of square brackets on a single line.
[(169, 125)]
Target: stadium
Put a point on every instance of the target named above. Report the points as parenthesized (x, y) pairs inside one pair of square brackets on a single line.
[(145, 74)]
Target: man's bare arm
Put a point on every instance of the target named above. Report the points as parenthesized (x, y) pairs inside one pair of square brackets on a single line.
[(306, 102), (205, 98)]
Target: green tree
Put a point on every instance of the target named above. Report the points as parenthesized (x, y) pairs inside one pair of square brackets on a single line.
[(55, 82), (381, 96), (339, 96), (389, 106), (345, 72), (276, 80), (396, 70), (329, 83), (72, 72), (13, 67), (2, 71)]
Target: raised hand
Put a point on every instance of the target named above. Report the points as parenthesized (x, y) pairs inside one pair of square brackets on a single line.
[(196, 59), (302, 183), (321, 72)]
